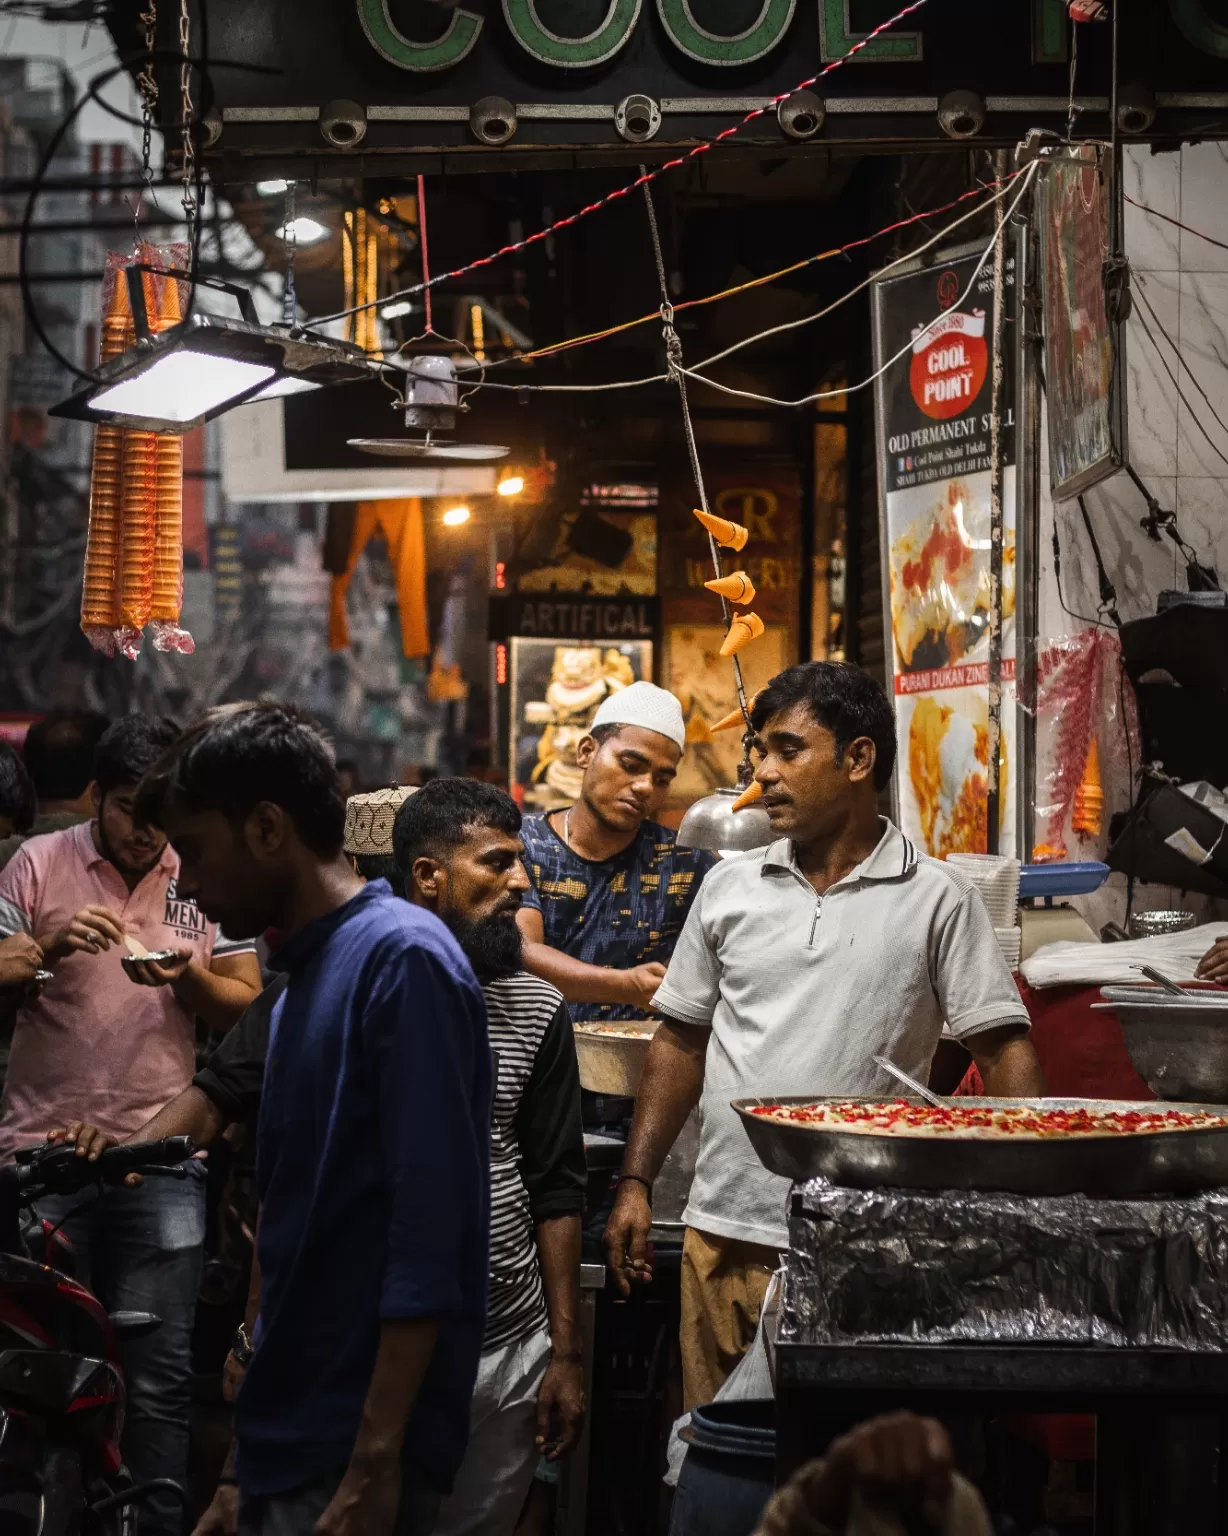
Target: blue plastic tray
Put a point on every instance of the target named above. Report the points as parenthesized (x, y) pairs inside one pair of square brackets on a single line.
[(1037, 881)]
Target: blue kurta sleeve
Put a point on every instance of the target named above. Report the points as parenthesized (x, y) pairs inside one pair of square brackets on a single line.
[(425, 1039)]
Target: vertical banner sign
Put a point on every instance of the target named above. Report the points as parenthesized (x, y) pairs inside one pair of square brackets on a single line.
[(932, 336)]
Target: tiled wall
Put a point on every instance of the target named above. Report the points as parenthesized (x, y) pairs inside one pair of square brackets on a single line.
[(1178, 448)]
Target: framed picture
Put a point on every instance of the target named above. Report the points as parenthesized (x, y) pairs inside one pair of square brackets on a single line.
[(1084, 350), (555, 689)]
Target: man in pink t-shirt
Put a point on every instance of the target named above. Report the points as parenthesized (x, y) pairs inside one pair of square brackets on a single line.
[(96, 1042)]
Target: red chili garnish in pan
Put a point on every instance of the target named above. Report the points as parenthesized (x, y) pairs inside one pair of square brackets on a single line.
[(902, 1117)]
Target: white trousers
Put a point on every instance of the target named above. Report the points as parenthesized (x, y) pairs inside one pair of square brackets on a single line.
[(494, 1478)]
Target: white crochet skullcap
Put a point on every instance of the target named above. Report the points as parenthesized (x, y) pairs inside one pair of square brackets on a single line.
[(645, 705), (369, 820)]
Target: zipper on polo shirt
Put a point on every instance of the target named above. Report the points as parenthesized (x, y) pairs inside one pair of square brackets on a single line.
[(814, 922)]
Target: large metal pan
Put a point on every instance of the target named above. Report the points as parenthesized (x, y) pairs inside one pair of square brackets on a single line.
[(1172, 1162)]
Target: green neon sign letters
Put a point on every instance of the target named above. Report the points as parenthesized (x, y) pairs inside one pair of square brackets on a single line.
[(456, 40)]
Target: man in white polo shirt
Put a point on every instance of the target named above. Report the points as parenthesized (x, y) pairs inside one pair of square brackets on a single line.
[(798, 964)]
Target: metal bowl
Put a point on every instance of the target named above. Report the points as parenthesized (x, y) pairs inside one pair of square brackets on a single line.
[(612, 1063), (1151, 925), (1179, 1047)]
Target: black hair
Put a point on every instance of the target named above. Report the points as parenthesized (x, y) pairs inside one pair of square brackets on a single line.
[(16, 791), (59, 752), (844, 700), (237, 756), (603, 733), (129, 749), (380, 866), (437, 819)]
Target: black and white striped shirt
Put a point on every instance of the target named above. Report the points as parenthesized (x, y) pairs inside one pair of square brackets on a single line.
[(537, 1145)]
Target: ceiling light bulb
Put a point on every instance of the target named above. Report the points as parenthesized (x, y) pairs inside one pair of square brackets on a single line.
[(511, 485), (395, 310), (270, 188), (181, 386), (455, 516), (306, 231)]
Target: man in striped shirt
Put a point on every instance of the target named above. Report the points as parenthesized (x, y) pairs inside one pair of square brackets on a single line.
[(457, 842)]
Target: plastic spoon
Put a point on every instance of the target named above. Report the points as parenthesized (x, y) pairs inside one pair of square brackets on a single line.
[(910, 1082)]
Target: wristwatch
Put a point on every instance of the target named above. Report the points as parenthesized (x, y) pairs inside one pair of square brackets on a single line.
[(242, 1348)]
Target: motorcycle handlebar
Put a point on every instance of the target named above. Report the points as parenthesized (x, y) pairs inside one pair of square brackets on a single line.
[(55, 1169)]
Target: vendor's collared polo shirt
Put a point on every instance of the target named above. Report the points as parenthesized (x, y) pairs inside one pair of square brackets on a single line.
[(802, 991)]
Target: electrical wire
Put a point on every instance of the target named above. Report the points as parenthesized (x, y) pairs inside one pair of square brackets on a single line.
[(645, 178), (1177, 352), (793, 325), (852, 389), (1168, 219), (771, 277), (1173, 377), (37, 181), (658, 378), (677, 374)]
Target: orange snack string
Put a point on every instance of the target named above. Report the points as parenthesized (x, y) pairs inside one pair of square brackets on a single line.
[(167, 591), (100, 581)]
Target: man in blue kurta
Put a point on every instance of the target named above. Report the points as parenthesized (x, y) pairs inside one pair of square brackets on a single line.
[(373, 1145)]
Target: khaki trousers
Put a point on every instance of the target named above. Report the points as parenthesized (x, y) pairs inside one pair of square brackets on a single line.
[(724, 1282)]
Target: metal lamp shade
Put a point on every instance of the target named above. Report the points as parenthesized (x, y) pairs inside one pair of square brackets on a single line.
[(714, 824)]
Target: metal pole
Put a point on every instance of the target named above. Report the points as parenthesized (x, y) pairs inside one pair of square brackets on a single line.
[(1028, 322), (997, 446)]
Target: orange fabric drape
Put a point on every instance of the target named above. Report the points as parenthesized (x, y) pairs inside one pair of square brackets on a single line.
[(400, 523)]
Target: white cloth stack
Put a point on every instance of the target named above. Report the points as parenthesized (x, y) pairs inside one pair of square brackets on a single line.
[(1175, 955)]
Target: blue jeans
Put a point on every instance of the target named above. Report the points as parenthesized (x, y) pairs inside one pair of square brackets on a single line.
[(140, 1250)]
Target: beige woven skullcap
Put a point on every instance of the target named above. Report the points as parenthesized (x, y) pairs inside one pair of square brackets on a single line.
[(369, 820)]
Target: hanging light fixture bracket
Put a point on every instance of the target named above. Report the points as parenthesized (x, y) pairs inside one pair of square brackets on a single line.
[(171, 381)]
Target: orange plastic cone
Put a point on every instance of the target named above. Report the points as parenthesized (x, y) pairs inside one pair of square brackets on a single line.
[(748, 796), (745, 628), (733, 720), (1089, 797), (728, 535), (737, 587)]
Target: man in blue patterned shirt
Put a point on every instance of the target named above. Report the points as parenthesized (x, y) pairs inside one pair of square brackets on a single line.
[(610, 887)]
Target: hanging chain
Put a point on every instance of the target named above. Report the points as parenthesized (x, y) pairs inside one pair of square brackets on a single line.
[(289, 300), (677, 373), (190, 209), (147, 84)]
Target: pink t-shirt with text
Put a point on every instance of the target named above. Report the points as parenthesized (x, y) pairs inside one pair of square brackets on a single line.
[(96, 1046)]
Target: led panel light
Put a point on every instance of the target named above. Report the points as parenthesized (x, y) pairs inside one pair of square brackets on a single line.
[(172, 380), (181, 386)]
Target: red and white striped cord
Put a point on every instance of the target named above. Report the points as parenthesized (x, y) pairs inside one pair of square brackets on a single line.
[(620, 192)]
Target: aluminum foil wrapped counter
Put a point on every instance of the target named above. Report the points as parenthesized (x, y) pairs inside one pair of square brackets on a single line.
[(944, 1266)]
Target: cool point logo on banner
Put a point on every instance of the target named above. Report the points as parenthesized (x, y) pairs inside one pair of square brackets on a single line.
[(949, 362)]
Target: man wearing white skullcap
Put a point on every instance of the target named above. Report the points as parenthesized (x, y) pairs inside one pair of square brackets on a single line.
[(610, 889)]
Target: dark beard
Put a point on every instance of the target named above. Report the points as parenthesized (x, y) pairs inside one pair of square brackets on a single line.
[(128, 871), (492, 945)]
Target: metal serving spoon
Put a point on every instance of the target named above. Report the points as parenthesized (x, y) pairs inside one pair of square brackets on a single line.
[(910, 1082), (1161, 980)]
